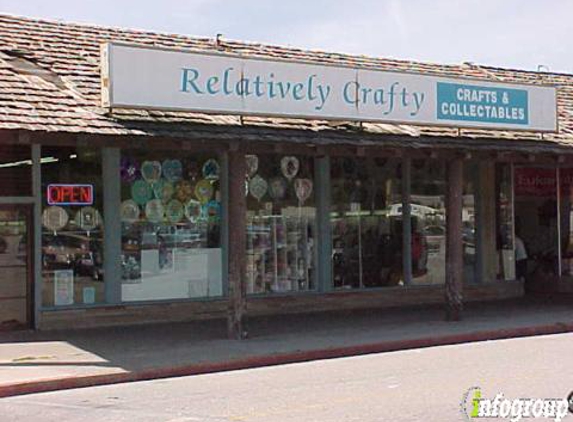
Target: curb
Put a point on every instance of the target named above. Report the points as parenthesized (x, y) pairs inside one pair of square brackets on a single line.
[(55, 384)]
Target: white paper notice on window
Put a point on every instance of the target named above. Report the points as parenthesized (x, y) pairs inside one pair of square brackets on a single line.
[(63, 287)]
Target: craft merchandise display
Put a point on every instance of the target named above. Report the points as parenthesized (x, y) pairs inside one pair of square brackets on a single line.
[(280, 224)]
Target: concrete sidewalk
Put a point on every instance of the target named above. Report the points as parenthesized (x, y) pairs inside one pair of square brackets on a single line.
[(43, 361)]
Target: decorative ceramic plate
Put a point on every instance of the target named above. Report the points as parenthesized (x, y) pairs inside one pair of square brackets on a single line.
[(163, 190), (141, 192), (211, 169), (129, 211), (258, 187), (88, 218), (184, 191), (154, 211), (252, 164), (174, 211), (277, 188), (54, 218), (289, 167), (203, 191), (303, 189), (151, 171), (193, 210), (172, 170)]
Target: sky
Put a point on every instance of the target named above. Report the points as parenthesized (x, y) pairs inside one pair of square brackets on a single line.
[(523, 34)]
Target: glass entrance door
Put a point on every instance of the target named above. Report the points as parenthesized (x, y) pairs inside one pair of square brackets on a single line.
[(15, 267)]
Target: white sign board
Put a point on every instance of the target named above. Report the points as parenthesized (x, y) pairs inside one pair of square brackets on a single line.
[(135, 77), (63, 287)]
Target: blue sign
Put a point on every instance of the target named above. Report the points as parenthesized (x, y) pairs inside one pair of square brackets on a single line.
[(474, 103)]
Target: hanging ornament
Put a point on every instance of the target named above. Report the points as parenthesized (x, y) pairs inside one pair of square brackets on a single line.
[(173, 170), (151, 171), (203, 191), (193, 210), (258, 187), (129, 211), (163, 190), (277, 188), (289, 167), (303, 189), (211, 169), (174, 211), (252, 164), (184, 191), (141, 192), (154, 211), (128, 169), (54, 218), (192, 169), (88, 218)]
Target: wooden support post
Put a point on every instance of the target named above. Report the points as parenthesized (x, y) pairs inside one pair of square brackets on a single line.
[(454, 245), (237, 244)]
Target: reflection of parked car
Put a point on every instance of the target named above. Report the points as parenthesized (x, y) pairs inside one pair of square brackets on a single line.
[(89, 264), (73, 251), (434, 237)]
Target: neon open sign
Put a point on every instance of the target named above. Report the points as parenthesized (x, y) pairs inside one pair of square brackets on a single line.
[(70, 194)]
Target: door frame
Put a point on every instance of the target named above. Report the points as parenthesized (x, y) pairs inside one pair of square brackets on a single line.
[(28, 211)]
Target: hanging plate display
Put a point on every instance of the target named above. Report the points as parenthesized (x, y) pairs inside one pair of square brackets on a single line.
[(184, 191), (151, 171), (174, 211), (128, 169), (212, 209), (54, 218), (277, 188), (129, 211), (141, 192), (193, 210), (173, 170), (203, 191), (211, 169), (258, 187), (289, 167), (88, 218), (303, 189), (154, 211), (163, 190), (252, 164)]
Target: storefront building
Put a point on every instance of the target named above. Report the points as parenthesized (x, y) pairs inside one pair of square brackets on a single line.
[(121, 203)]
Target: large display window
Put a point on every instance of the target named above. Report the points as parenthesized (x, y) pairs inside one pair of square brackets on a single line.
[(72, 226), (428, 221), (366, 222), (281, 224), (171, 225)]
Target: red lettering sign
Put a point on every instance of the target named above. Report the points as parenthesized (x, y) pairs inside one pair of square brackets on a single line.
[(70, 194), (542, 182)]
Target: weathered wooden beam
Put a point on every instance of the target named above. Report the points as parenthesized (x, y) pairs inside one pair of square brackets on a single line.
[(237, 244), (454, 245)]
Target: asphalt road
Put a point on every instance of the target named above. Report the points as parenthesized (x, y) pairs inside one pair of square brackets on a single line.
[(415, 385)]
